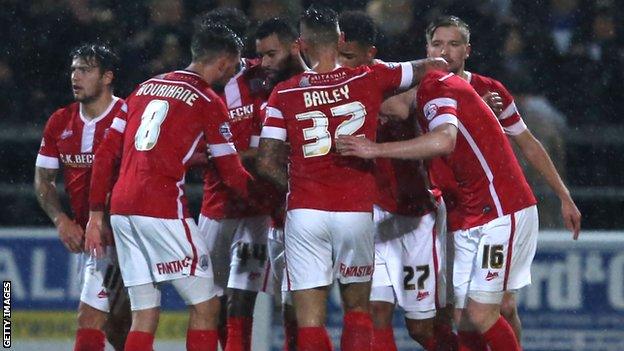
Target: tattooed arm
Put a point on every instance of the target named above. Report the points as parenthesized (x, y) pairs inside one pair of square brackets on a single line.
[(270, 164), (70, 233)]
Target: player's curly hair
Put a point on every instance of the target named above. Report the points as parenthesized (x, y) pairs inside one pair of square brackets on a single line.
[(232, 18), (281, 27), (448, 21), (98, 54), (212, 40), (359, 27), (322, 22)]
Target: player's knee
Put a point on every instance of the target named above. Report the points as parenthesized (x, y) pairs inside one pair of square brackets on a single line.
[(381, 313), (483, 307), (509, 309), (241, 303), (90, 318), (420, 330), (194, 290)]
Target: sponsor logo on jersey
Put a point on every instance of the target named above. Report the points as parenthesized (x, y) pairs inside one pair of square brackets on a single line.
[(240, 113), (355, 271), (77, 160), (491, 275), (430, 111), (224, 129), (173, 266), (422, 295), (66, 134)]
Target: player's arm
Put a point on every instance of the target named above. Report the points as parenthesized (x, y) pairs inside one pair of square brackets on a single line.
[(70, 233), (537, 156), (270, 165), (106, 157), (398, 107), (439, 142), (421, 67)]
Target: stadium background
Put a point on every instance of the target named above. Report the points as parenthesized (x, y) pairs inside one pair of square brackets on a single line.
[(561, 59)]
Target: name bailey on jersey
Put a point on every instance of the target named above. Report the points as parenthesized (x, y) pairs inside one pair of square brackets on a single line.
[(323, 97)]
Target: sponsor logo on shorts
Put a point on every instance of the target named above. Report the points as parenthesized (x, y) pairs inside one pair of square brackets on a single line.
[(355, 271), (173, 266), (422, 295), (254, 275), (491, 275), (102, 294), (203, 261)]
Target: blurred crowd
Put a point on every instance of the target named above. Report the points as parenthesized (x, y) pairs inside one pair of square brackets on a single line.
[(560, 57)]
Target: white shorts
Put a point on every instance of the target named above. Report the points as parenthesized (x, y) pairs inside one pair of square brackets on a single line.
[(278, 267), (238, 250), (92, 272), (154, 250), (321, 246), (410, 261), (496, 256)]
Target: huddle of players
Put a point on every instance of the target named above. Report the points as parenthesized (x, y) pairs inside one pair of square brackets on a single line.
[(328, 229)]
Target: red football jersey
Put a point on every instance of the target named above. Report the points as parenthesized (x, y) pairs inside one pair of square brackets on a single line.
[(244, 96), (71, 139), (402, 184), (482, 174), (167, 117), (311, 110), (510, 118)]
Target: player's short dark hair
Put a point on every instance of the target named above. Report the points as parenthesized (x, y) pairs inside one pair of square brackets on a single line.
[(448, 21), (232, 18), (210, 41), (100, 54), (282, 28), (322, 22), (359, 27)]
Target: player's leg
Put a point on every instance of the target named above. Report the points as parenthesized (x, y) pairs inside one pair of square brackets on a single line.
[(248, 274), (218, 235), (90, 334), (509, 310), (275, 246), (119, 317), (352, 235), (309, 273), (381, 313)]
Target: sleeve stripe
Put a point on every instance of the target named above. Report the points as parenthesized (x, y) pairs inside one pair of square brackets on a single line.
[(254, 141), (442, 119), (47, 162), (509, 111), (273, 112), (407, 74), (440, 102), (273, 133), (516, 128), (218, 150), (118, 124)]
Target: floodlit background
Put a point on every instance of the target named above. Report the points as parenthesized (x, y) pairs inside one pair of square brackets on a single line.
[(562, 60)]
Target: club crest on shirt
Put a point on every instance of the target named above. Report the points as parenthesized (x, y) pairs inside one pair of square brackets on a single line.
[(66, 134), (430, 111), (224, 129)]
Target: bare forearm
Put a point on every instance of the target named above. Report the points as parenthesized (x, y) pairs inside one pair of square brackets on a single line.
[(47, 196), (540, 161), (436, 143), (269, 163), (248, 158)]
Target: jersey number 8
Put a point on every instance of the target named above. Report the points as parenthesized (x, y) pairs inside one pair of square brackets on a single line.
[(319, 132), (152, 118)]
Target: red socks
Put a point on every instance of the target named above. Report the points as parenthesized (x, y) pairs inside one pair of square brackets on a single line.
[(501, 337), (89, 340), (357, 332), (471, 341), (239, 334), (201, 340), (139, 341), (290, 336), (313, 339), (383, 340), (222, 330)]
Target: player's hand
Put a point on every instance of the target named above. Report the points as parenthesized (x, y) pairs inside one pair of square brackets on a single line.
[(70, 233), (349, 145), (494, 101), (94, 244), (571, 217), (435, 63)]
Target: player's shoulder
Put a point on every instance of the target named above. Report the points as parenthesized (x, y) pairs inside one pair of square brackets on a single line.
[(65, 113), (479, 79), (438, 79), (256, 79)]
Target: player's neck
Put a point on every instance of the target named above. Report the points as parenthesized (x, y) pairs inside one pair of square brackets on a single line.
[(96, 107), (324, 61), (462, 74)]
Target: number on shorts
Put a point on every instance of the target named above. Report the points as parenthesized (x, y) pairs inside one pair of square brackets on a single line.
[(409, 275), (492, 257), (152, 118), (319, 131), (245, 251)]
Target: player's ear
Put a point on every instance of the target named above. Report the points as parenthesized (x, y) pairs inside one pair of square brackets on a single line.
[(295, 47), (108, 77), (372, 52), (468, 50)]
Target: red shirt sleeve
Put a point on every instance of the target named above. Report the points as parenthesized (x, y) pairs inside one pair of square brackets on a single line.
[(223, 151), (106, 157), (438, 103), (48, 156), (274, 123), (509, 118), (392, 76)]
